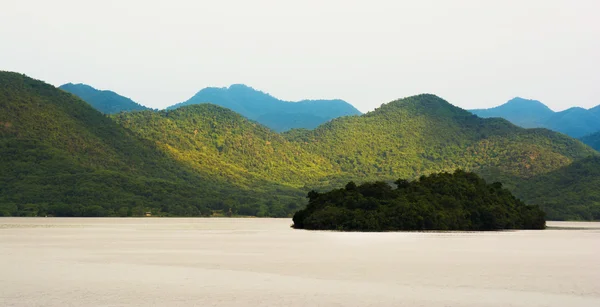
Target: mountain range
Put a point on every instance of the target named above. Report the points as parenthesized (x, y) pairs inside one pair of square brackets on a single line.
[(261, 107), (276, 114), (60, 156), (576, 122)]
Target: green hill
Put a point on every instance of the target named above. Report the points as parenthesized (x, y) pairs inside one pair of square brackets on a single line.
[(224, 144), (425, 134), (276, 114), (60, 156), (107, 102)]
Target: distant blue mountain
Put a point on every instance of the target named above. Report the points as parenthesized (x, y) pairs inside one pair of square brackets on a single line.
[(521, 112), (274, 113), (575, 122), (107, 102), (596, 110), (592, 140)]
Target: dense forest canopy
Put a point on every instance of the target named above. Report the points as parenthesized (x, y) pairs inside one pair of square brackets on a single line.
[(224, 144), (58, 152), (457, 201), (424, 134)]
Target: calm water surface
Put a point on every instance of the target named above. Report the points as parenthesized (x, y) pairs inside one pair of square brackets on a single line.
[(262, 262)]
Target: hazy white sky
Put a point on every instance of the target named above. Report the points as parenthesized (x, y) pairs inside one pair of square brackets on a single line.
[(473, 53)]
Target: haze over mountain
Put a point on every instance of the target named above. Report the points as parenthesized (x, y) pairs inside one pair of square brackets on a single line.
[(59, 155), (276, 114), (525, 113), (592, 140), (576, 122), (107, 102), (595, 110)]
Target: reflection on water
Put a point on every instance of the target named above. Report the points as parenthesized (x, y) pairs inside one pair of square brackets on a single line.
[(263, 262)]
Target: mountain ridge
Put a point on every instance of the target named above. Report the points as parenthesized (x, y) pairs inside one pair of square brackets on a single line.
[(575, 121), (56, 150)]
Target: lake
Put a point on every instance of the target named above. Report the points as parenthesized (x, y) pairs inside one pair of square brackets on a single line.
[(263, 262)]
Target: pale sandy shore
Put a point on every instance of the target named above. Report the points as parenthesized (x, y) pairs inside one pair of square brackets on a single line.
[(263, 262)]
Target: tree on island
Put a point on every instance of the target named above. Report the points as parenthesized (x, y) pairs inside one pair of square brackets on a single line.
[(444, 201)]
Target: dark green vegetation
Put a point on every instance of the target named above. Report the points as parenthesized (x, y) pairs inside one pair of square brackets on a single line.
[(569, 193), (106, 102), (592, 140), (60, 156), (575, 122), (458, 201), (274, 113)]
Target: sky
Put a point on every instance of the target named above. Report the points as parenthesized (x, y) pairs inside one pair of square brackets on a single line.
[(473, 53)]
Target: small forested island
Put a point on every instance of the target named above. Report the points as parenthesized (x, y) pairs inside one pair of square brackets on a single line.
[(444, 201)]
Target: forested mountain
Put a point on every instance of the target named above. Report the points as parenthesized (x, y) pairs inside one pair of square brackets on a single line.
[(107, 102), (276, 114), (525, 113), (575, 122), (592, 140), (403, 139), (60, 156), (424, 134), (225, 144)]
